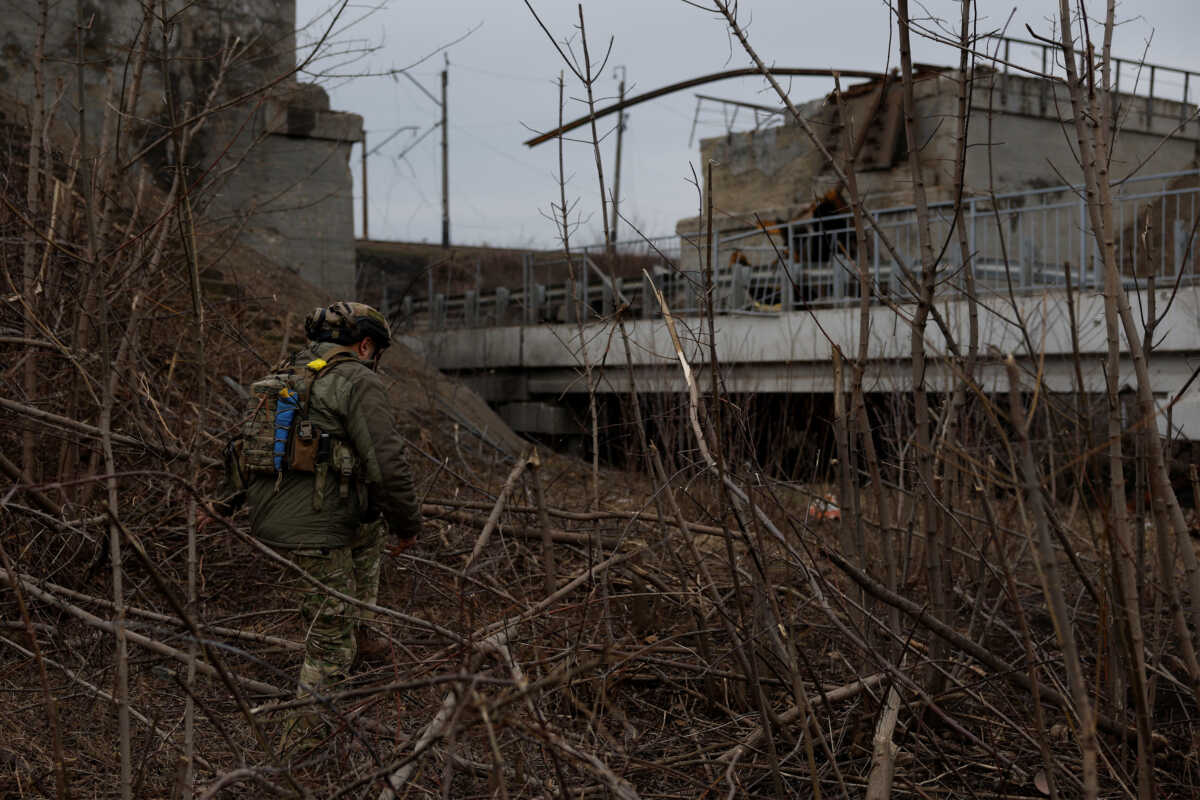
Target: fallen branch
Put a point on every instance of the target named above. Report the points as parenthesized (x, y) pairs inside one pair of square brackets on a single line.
[(436, 727), (494, 517), (556, 534), (580, 579), (103, 695), (217, 630), (618, 786), (55, 420), (1002, 668), (137, 638), (40, 500), (230, 778), (430, 506), (884, 750), (792, 714)]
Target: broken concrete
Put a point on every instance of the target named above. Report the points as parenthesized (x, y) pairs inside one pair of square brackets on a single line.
[(1016, 135)]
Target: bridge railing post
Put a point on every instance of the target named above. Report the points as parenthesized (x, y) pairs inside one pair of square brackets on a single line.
[(471, 308), (406, 313), (526, 289), (437, 312), (501, 305), (1179, 236), (875, 267), (538, 303), (737, 292), (839, 288), (1023, 259)]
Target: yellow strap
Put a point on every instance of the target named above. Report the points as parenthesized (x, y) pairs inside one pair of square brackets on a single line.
[(316, 364)]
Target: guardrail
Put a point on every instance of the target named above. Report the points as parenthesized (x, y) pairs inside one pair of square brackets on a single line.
[(1017, 242), (1140, 78)]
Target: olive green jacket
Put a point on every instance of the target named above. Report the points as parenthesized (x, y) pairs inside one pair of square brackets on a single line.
[(350, 403)]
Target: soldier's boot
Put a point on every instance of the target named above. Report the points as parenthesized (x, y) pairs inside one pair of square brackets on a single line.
[(302, 733), (372, 648)]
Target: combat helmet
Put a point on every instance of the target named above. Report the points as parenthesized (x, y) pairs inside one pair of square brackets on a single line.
[(347, 322)]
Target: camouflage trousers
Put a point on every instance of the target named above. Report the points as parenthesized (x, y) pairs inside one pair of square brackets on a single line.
[(330, 623)]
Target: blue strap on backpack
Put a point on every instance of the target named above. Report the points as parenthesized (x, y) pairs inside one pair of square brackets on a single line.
[(285, 411)]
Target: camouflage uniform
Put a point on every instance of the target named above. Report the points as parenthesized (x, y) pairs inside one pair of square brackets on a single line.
[(330, 644), (330, 525)]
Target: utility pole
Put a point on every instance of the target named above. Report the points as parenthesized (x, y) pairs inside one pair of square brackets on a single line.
[(445, 145), (445, 160), (375, 149), (616, 198)]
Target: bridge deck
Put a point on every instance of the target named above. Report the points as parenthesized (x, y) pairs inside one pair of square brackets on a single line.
[(790, 352)]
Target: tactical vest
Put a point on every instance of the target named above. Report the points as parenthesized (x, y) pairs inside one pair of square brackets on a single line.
[(277, 436)]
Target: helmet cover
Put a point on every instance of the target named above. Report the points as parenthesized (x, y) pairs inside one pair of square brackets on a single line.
[(347, 323)]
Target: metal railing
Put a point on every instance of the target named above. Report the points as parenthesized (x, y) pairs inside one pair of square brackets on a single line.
[(596, 281), (1016, 242), (1133, 77)]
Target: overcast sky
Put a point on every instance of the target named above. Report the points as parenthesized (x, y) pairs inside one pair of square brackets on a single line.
[(503, 85)]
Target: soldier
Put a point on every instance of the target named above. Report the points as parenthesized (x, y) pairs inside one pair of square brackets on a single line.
[(321, 464)]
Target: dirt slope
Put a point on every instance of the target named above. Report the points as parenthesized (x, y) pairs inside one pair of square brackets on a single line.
[(279, 299)]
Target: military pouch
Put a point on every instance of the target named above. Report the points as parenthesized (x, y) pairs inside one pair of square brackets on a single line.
[(342, 463), (277, 436), (305, 445), (258, 429), (324, 446)]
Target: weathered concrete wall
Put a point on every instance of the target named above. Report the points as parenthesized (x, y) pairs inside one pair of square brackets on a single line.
[(274, 162), (292, 188), (770, 170), (776, 172), (1033, 148)]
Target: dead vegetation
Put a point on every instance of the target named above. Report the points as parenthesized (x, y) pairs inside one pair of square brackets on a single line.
[(972, 622)]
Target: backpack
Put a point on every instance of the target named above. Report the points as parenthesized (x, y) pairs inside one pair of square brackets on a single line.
[(276, 435)]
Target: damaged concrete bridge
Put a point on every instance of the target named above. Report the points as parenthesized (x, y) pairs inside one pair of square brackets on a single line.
[(784, 297), (787, 266)]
